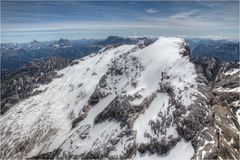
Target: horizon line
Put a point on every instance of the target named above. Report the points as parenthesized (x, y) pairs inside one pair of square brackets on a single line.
[(215, 38)]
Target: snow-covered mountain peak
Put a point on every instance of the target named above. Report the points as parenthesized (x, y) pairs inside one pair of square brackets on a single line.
[(34, 45), (124, 102)]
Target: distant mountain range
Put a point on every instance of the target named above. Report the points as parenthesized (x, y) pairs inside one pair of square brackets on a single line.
[(15, 55), (225, 50)]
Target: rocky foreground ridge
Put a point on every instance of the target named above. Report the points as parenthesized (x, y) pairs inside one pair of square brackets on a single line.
[(223, 78), (128, 102)]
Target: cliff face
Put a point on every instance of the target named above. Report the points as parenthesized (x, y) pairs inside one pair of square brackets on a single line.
[(226, 106), (125, 102), (223, 77)]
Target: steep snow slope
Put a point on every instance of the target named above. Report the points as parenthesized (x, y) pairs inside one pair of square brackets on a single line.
[(122, 102), (51, 112)]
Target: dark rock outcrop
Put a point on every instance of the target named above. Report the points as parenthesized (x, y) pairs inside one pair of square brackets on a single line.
[(208, 67)]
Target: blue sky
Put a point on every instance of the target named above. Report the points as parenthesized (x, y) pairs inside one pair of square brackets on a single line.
[(23, 21)]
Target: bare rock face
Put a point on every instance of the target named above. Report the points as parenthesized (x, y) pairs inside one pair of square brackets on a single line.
[(186, 50), (224, 79), (226, 106), (208, 67)]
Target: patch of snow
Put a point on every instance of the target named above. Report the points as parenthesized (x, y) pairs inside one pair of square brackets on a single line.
[(238, 116), (220, 89), (141, 124), (97, 137), (232, 71)]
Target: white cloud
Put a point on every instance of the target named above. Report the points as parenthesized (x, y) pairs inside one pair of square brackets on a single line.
[(186, 15), (151, 10), (213, 37), (72, 25), (146, 22), (192, 24)]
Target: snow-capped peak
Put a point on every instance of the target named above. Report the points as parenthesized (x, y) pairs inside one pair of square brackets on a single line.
[(34, 45), (124, 102)]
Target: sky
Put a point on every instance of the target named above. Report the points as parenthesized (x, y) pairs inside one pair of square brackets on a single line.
[(23, 21)]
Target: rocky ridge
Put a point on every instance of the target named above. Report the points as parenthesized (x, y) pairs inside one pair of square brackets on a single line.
[(223, 78)]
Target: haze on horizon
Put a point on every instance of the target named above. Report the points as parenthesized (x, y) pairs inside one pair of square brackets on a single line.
[(44, 21)]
